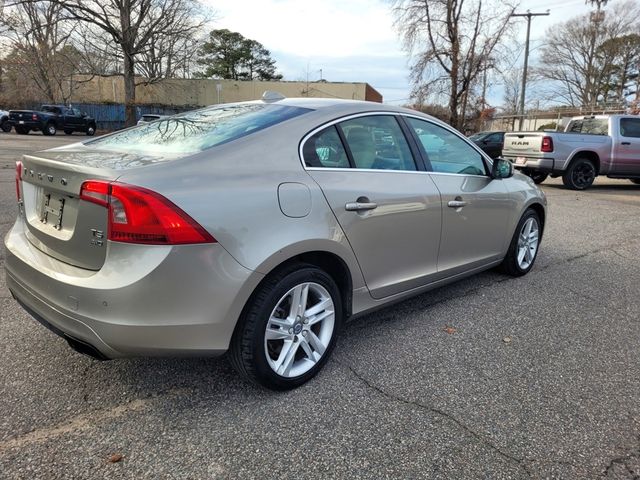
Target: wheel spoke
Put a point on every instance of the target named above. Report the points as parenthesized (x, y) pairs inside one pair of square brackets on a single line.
[(521, 254), (288, 355), (315, 342), (318, 307), (320, 317), (280, 322), (298, 301), (307, 350), (276, 334)]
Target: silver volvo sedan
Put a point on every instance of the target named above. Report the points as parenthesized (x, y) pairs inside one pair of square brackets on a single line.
[(257, 229)]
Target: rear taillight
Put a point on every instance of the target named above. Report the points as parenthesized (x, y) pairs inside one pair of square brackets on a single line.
[(547, 145), (139, 215), (18, 179), (34, 117)]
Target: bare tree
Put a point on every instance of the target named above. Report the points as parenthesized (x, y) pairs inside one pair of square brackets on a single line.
[(138, 28), (577, 58), (450, 42), (41, 60)]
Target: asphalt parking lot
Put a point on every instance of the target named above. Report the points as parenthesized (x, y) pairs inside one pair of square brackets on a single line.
[(537, 377)]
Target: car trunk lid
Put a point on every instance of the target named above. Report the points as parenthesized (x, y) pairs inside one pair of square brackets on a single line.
[(59, 222)]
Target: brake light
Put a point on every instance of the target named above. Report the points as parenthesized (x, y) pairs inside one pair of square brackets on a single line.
[(18, 179), (547, 145), (34, 117), (139, 215)]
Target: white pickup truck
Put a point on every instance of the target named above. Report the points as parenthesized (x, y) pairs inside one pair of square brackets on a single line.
[(589, 146)]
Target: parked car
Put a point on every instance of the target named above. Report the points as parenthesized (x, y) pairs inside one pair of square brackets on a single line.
[(589, 146), (258, 228), (51, 118), (150, 117), (5, 126), (490, 142)]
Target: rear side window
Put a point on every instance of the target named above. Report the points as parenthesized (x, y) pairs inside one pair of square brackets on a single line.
[(325, 149), (630, 127), (447, 152), (377, 142), (589, 126), (198, 130)]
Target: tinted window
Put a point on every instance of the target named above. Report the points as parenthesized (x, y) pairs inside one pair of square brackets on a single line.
[(591, 126), (447, 152), (200, 129), (377, 142), (495, 138), (77, 112), (630, 127), (325, 149), (50, 109)]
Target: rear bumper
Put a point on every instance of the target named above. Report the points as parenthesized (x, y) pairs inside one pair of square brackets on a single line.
[(546, 165), (26, 123), (145, 300)]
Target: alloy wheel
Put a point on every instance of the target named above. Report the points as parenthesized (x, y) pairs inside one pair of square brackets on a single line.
[(528, 241), (583, 174), (299, 329)]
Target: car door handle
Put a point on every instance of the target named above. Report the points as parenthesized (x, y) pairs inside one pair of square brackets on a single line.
[(626, 143), (457, 204), (359, 206)]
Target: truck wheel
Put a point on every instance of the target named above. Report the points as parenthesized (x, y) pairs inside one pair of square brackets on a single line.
[(580, 174), (91, 130), (635, 180), (537, 177), (5, 126), (49, 129), (68, 132), (22, 130)]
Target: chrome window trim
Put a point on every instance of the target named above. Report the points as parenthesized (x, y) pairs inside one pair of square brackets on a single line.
[(488, 161)]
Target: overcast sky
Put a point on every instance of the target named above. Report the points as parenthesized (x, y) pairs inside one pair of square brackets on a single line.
[(350, 40)]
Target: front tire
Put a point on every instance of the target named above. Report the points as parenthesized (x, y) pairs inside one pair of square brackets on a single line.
[(580, 174), (524, 245), (5, 126), (537, 177), (288, 328), (91, 130)]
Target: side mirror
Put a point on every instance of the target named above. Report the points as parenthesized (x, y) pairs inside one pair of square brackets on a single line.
[(84, 114), (501, 168)]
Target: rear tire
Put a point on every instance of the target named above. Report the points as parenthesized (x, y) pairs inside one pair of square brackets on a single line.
[(50, 129), (580, 174), (271, 322), (91, 130), (5, 126), (524, 246), (22, 130)]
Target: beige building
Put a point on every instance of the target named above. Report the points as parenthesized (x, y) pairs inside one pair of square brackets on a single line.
[(198, 92)]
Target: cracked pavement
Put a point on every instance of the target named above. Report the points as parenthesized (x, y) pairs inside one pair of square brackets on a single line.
[(401, 397)]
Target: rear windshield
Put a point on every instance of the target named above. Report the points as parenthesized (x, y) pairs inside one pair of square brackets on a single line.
[(198, 130), (591, 126)]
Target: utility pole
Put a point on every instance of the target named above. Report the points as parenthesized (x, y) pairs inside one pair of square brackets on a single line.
[(529, 15)]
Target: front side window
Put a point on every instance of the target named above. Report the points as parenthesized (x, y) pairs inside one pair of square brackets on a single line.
[(325, 149), (198, 130), (630, 127), (447, 152), (377, 142)]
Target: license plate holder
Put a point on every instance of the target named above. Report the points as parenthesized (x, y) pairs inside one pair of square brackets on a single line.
[(51, 210), (521, 160), (21, 122)]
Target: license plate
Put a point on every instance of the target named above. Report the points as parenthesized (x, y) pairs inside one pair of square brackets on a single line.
[(21, 122), (521, 160), (51, 210)]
